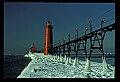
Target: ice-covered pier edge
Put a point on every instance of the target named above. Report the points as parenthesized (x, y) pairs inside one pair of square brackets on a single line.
[(49, 66)]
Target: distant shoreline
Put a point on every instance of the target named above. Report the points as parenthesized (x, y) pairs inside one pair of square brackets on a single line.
[(93, 55), (79, 55)]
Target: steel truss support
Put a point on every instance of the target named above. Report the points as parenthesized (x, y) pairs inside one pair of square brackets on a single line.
[(69, 47), (97, 38), (59, 48), (81, 46), (63, 47)]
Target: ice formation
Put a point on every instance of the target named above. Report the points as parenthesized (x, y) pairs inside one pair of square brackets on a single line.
[(49, 66)]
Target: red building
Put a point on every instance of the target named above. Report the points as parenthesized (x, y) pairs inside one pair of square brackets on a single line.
[(33, 48), (48, 38)]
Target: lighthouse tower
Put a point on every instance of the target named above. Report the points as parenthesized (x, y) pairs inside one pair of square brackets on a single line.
[(48, 38)]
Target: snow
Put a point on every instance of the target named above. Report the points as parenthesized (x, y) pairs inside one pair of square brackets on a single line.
[(48, 66)]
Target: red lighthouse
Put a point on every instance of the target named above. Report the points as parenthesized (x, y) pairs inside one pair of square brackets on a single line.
[(48, 39)]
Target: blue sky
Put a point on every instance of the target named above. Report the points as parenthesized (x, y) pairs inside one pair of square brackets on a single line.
[(24, 22)]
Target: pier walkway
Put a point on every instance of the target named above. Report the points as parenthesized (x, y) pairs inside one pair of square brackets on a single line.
[(49, 66)]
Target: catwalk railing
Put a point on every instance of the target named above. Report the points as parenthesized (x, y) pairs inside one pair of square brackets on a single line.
[(79, 43)]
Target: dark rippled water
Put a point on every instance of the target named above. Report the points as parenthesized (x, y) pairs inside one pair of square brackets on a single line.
[(14, 64)]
